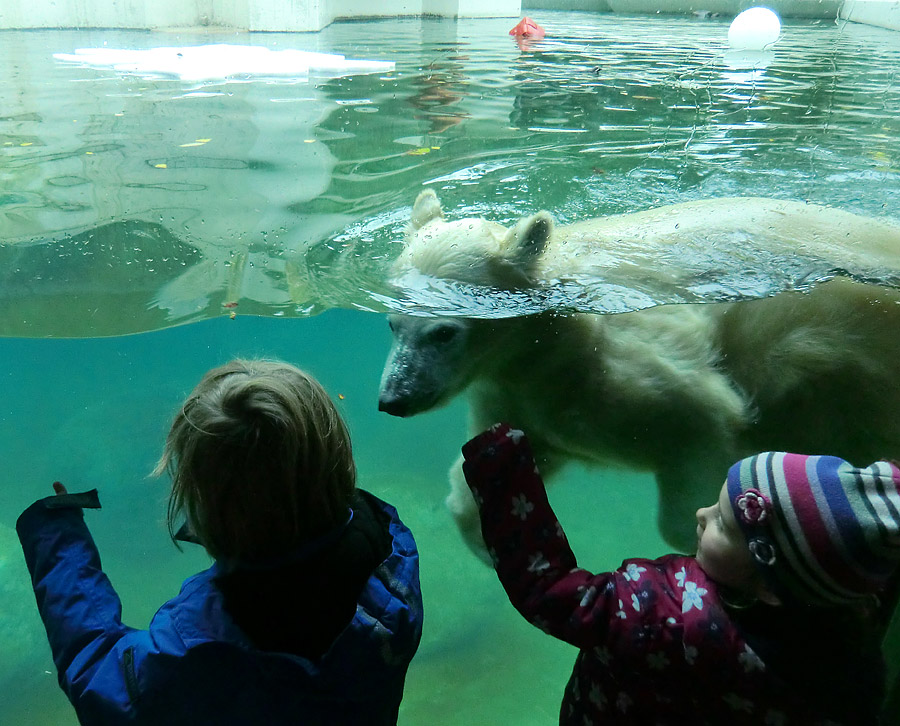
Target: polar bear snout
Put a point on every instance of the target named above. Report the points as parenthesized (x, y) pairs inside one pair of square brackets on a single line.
[(426, 366), (393, 404), (404, 397), (406, 388)]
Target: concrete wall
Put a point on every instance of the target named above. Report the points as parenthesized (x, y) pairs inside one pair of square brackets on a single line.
[(785, 8), (311, 15), (283, 15), (884, 13)]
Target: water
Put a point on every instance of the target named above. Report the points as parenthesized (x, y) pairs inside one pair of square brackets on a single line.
[(292, 198), (297, 204), (94, 413)]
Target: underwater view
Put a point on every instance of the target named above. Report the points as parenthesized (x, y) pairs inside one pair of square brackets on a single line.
[(154, 224)]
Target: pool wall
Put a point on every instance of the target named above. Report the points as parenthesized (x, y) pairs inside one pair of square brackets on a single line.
[(785, 8), (883, 13), (313, 15), (264, 15)]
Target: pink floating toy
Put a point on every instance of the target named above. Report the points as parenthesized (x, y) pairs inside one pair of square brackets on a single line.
[(527, 28)]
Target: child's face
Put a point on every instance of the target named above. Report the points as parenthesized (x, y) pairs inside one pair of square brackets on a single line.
[(721, 548)]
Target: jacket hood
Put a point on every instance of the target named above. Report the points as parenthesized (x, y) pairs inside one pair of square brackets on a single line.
[(379, 641)]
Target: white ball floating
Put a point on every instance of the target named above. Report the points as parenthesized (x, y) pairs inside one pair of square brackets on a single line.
[(754, 29)]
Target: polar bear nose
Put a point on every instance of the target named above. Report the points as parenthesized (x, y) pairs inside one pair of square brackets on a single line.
[(393, 404)]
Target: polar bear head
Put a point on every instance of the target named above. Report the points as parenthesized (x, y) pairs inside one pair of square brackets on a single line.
[(434, 358), (473, 250)]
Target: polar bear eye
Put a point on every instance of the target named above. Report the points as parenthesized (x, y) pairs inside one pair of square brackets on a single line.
[(441, 334)]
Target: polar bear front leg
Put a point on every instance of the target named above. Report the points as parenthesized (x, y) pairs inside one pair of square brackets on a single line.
[(464, 510)]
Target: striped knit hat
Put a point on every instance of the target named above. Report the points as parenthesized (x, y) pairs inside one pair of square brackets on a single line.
[(822, 531)]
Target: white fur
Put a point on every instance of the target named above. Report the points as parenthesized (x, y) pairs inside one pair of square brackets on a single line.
[(682, 391)]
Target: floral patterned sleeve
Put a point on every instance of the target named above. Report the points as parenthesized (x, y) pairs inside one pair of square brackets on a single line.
[(530, 551)]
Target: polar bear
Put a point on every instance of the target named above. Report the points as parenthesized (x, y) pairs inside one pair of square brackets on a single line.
[(681, 391)]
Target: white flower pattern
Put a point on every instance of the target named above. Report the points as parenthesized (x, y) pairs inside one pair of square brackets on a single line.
[(692, 597), (750, 660), (515, 435), (588, 597), (597, 697), (633, 572), (737, 703), (521, 507), (537, 562), (624, 702), (690, 654)]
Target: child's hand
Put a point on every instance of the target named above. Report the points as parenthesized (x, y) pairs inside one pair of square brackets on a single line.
[(58, 488), (497, 448)]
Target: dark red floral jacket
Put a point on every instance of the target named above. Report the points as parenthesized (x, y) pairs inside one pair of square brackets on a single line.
[(657, 645)]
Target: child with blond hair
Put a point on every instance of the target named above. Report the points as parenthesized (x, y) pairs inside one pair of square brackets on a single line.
[(773, 622), (311, 611)]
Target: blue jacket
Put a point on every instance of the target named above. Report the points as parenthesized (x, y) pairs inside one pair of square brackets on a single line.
[(194, 665)]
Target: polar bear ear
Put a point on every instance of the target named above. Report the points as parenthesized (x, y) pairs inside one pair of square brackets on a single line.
[(528, 239), (426, 208), (521, 248)]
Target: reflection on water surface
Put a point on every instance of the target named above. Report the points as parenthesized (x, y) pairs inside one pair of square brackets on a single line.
[(294, 195)]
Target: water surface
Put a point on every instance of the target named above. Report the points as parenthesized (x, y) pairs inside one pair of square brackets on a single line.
[(132, 202)]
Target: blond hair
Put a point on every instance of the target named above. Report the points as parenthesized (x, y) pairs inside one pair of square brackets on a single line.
[(260, 461)]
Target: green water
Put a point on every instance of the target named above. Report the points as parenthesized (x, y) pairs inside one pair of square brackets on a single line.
[(305, 190), (94, 413)]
